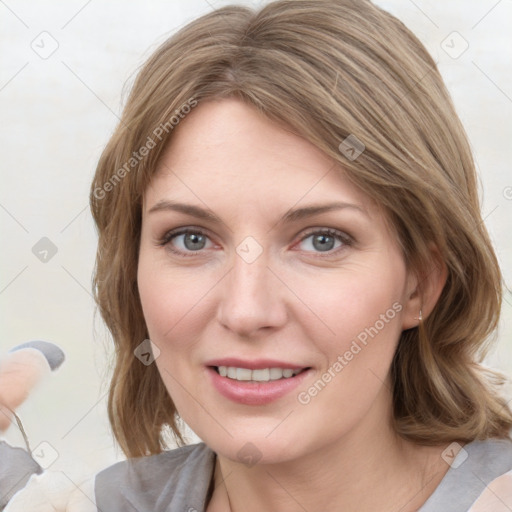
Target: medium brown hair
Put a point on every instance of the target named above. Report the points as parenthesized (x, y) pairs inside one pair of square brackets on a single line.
[(328, 70)]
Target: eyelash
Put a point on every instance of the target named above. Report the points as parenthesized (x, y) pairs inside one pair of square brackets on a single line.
[(339, 235)]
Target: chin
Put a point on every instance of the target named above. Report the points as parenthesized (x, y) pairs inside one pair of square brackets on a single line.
[(251, 448)]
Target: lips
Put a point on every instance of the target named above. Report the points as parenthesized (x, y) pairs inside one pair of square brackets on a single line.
[(254, 364), (250, 383)]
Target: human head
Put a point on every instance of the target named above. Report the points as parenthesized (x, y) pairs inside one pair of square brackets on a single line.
[(329, 71)]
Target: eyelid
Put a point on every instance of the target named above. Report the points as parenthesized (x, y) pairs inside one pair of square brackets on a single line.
[(346, 241), (345, 238), (170, 234), (165, 240)]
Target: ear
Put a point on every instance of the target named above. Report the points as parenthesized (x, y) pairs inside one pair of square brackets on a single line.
[(424, 289)]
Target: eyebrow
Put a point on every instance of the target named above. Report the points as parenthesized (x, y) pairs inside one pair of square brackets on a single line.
[(291, 216)]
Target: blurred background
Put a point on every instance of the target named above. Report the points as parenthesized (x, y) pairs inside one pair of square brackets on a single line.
[(65, 70)]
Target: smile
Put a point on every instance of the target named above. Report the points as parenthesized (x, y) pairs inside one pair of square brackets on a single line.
[(255, 386), (259, 375)]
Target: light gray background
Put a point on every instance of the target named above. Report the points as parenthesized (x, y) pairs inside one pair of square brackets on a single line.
[(58, 112)]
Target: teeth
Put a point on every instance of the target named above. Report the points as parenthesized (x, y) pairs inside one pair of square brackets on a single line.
[(243, 374), (260, 375), (276, 373)]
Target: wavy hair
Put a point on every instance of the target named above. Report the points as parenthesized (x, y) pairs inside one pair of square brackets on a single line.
[(328, 69)]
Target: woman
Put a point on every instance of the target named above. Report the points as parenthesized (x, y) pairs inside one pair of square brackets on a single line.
[(288, 211)]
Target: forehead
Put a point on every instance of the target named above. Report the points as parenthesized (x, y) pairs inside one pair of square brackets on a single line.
[(226, 151)]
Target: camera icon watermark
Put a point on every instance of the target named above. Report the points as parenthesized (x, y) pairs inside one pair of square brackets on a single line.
[(507, 193), (45, 454), (146, 352), (45, 45), (44, 250), (249, 454), (454, 45), (454, 455), (351, 147), (249, 249)]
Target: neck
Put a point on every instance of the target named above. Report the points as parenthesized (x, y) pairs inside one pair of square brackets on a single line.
[(367, 469)]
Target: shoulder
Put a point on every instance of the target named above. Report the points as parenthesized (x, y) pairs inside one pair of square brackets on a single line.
[(496, 496), (172, 480), (474, 467)]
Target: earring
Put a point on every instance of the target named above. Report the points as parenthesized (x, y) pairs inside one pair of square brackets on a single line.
[(420, 317)]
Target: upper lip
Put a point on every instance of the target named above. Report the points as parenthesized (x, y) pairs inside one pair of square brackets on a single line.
[(254, 364)]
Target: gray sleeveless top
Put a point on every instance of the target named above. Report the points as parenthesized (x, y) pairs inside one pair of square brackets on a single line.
[(179, 480)]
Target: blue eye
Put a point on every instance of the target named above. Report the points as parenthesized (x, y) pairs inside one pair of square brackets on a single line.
[(325, 240), (192, 240)]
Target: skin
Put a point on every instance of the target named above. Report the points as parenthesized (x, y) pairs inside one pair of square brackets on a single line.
[(295, 302), (20, 372)]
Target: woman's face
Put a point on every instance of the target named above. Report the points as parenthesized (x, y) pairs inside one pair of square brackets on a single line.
[(285, 267)]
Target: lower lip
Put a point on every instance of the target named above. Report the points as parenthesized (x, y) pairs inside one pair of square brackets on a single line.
[(255, 393)]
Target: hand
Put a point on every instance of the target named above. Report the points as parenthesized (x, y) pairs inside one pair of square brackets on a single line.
[(53, 491)]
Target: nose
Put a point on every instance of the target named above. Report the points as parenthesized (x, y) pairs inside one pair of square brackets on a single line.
[(251, 298)]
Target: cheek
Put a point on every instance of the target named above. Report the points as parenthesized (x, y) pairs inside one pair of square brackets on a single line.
[(172, 302), (363, 309), (347, 304), (173, 305)]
